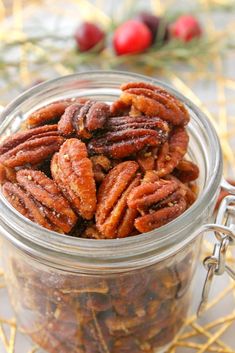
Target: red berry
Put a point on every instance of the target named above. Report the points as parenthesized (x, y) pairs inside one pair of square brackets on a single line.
[(186, 28), (88, 35), (131, 37), (156, 25)]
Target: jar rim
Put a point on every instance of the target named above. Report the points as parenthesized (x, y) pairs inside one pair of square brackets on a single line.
[(158, 238)]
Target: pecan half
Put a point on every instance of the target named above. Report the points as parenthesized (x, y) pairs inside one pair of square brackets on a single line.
[(186, 171), (83, 119), (38, 198), (172, 151), (30, 147), (113, 218), (159, 202), (190, 190), (72, 171), (128, 135), (154, 101), (51, 113)]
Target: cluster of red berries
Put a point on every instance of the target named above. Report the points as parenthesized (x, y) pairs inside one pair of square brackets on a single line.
[(136, 35)]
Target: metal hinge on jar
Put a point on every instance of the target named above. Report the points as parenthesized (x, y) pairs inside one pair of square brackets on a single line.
[(224, 231)]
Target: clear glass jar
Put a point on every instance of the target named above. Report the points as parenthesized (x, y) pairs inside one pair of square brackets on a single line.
[(127, 295)]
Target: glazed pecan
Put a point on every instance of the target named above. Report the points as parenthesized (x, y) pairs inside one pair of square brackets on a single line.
[(101, 165), (154, 101), (128, 135), (83, 119), (38, 198), (30, 147), (150, 193), (172, 151), (113, 218), (51, 113), (186, 171), (189, 190), (159, 203), (72, 171)]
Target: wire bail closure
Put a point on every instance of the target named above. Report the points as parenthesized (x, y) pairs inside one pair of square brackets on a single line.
[(224, 231)]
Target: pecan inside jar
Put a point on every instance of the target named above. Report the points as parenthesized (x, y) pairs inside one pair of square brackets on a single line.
[(120, 167)]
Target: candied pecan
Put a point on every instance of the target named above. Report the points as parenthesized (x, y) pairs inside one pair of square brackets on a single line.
[(38, 198), (72, 171), (50, 113), (113, 218), (129, 135), (154, 101), (7, 174), (30, 147), (172, 151), (101, 165), (189, 190), (83, 119), (148, 194), (186, 171), (160, 202), (50, 201), (163, 216)]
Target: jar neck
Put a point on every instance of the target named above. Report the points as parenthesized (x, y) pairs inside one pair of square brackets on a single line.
[(115, 254)]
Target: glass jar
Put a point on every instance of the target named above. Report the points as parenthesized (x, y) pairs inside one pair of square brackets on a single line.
[(128, 295)]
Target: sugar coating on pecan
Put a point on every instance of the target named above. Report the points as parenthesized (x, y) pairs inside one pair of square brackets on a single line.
[(30, 147), (172, 151), (72, 171), (50, 113), (128, 135), (83, 119), (154, 101), (113, 218)]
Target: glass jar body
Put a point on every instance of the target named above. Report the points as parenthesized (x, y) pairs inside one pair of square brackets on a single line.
[(126, 295), (134, 311)]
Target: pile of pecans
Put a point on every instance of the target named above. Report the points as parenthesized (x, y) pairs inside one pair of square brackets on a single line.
[(89, 169)]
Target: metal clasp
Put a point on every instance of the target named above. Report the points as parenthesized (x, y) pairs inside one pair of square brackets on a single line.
[(224, 231)]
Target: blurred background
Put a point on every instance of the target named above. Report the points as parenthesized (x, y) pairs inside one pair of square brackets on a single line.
[(190, 44)]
